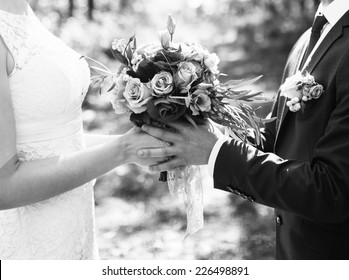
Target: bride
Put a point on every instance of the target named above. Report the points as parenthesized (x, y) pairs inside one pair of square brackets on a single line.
[(46, 163)]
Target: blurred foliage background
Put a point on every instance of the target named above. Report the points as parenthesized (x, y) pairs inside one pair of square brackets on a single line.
[(136, 217)]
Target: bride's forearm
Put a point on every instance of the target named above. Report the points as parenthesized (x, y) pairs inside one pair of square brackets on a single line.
[(23, 183), (92, 139)]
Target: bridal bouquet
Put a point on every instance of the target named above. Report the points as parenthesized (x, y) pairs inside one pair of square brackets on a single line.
[(166, 81)]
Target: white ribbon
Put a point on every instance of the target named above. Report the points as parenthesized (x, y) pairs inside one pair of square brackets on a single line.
[(185, 182)]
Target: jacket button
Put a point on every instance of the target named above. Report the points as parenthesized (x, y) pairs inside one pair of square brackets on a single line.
[(278, 220)]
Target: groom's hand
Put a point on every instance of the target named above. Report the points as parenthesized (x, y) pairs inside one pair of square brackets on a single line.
[(189, 145)]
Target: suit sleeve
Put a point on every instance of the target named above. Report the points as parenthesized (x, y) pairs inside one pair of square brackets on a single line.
[(318, 189)]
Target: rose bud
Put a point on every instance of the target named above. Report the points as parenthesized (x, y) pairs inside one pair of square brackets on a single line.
[(164, 39), (171, 25)]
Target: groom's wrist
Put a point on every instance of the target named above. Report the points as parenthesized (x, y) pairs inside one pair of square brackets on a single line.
[(214, 153)]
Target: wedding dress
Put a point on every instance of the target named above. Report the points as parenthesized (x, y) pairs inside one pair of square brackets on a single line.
[(48, 85)]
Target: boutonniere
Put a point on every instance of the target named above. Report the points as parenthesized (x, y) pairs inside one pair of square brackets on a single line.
[(300, 88)]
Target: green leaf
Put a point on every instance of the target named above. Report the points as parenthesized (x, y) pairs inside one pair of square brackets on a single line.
[(263, 120), (189, 119), (101, 86), (249, 96), (98, 80), (134, 44), (119, 57), (245, 83), (230, 82), (100, 70), (129, 54), (131, 39), (112, 87)]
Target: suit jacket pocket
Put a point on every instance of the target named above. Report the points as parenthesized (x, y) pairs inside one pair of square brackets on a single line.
[(325, 243)]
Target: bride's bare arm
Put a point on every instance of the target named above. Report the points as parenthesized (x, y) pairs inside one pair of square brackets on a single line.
[(92, 139), (23, 183)]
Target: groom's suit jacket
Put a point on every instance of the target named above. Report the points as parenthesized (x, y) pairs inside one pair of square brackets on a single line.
[(303, 169)]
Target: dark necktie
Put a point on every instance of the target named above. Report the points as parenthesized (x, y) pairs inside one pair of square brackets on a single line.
[(318, 24)]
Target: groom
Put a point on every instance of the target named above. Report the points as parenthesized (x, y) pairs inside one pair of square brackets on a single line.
[(303, 170)]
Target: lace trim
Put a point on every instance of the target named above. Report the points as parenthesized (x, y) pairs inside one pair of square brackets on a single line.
[(16, 37)]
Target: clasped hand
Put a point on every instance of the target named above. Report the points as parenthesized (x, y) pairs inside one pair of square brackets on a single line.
[(188, 145)]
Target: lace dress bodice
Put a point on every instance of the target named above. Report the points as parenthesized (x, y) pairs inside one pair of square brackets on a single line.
[(48, 84)]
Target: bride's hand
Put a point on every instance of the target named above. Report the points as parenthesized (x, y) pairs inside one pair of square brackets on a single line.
[(189, 145), (136, 139)]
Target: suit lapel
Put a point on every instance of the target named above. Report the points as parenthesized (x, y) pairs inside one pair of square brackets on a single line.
[(292, 66), (331, 37)]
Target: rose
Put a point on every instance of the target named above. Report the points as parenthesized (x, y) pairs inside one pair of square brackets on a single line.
[(165, 111), (162, 83), (200, 101), (305, 89), (210, 78), (211, 62), (137, 95), (198, 53), (165, 39), (199, 70), (316, 91), (119, 45), (186, 74)]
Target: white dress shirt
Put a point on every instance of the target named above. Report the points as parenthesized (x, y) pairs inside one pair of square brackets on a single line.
[(333, 13)]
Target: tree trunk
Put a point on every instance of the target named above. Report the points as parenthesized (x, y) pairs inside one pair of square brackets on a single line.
[(71, 8), (91, 7), (123, 5), (272, 8)]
